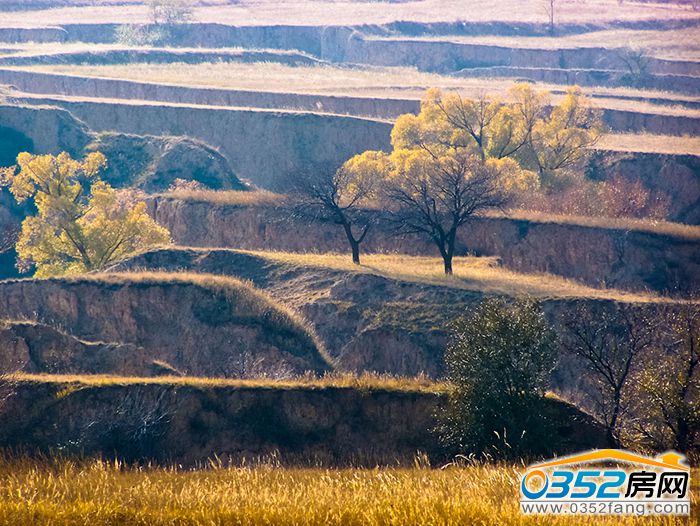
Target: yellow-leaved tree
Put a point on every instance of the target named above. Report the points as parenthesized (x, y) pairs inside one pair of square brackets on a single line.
[(461, 156), (82, 223)]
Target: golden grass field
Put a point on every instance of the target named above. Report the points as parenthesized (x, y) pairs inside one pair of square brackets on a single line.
[(363, 381), (97, 493)]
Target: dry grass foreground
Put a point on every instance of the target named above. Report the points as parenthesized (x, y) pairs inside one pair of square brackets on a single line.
[(70, 493)]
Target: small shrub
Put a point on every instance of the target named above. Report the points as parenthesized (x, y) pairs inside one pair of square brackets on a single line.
[(185, 185), (617, 197), (170, 11), (499, 363), (141, 35)]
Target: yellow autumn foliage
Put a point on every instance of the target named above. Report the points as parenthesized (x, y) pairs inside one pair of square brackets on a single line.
[(82, 223)]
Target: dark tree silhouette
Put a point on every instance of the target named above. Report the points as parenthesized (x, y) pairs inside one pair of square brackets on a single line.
[(336, 197)]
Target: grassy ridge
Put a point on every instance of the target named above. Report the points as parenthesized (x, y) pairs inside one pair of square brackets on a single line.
[(67, 493), (470, 273), (364, 381)]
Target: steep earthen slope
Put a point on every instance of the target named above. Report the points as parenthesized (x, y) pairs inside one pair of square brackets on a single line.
[(154, 163), (189, 422), (201, 325), (267, 147), (35, 348), (50, 130), (367, 321)]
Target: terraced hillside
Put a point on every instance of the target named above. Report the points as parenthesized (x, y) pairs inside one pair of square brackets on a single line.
[(208, 77), (199, 324), (389, 315), (627, 254), (251, 332)]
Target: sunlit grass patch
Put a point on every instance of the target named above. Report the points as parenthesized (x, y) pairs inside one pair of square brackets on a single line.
[(227, 197), (470, 273), (62, 493), (364, 381)]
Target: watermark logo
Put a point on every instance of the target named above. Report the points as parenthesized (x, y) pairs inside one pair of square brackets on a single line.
[(607, 482)]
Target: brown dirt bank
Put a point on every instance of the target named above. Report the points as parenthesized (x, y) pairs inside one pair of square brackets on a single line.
[(155, 55), (687, 84), (201, 325), (620, 257), (263, 146), (73, 85), (369, 320), (43, 129), (90, 88), (35, 348), (137, 420), (677, 176)]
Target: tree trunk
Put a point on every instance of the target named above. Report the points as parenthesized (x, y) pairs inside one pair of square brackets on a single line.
[(354, 244), (447, 259), (613, 441), (355, 252)]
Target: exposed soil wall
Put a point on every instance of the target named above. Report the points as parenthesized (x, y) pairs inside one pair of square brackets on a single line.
[(203, 328), (677, 176), (47, 83), (617, 258), (189, 424), (266, 147), (155, 163), (50, 129), (367, 321), (592, 77), (382, 108), (35, 348)]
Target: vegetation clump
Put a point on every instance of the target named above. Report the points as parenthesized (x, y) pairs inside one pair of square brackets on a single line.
[(82, 224), (499, 363), (459, 157)]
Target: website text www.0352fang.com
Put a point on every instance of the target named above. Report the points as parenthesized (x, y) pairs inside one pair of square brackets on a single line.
[(607, 482)]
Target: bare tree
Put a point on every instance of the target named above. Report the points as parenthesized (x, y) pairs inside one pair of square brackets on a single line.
[(637, 63), (8, 237), (132, 429), (669, 393), (337, 197), (549, 7), (443, 198), (170, 12), (611, 343), (7, 389)]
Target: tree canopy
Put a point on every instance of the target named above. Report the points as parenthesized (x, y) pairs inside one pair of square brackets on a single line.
[(460, 156), (82, 223), (498, 363)]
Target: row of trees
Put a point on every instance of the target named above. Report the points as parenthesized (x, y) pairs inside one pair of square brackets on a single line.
[(81, 223), (640, 369), (456, 158)]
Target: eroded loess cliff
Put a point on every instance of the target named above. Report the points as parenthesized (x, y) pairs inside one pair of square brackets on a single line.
[(36, 348), (366, 320), (154, 163), (201, 325), (192, 422), (267, 147)]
